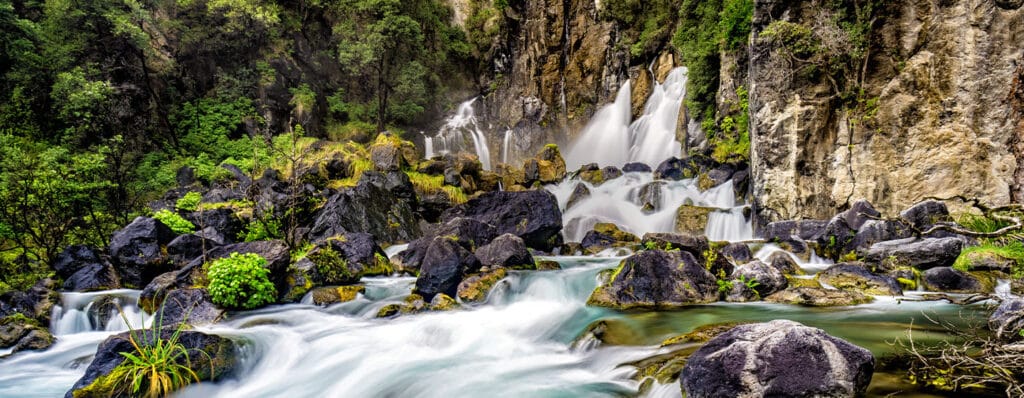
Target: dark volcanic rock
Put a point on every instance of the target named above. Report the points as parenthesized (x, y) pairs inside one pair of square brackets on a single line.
[(769, 280), (137, 251), (672, 169), (346, 258), (875, 231), (695, 245), (531, 215), (791, 360), (507, 251), (224, 221), (74, 258), (368, 208), (657, 279), (192, 306), (636, 167), (468, 232), (93, 277), (738, 253), (444, 265), (784, 263), (923, 215), (947, 279), (37, 302)]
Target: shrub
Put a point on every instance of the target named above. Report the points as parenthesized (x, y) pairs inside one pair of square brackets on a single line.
[(189, 202), (240, 281), (177, 224), (156, 367), (262, 230)]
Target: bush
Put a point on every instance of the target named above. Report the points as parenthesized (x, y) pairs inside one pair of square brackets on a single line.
[(240, 282), (154, 369), (189, 202), (177, 224)]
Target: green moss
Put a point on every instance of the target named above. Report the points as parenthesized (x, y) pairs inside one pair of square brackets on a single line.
[(1012, 252), (331, 267), (175, 222)]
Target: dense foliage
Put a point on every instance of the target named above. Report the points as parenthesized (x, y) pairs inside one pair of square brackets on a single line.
[(240, 282)]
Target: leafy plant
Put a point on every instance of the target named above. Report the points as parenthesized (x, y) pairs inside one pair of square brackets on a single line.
[(262, 230), (240, 281), (189, 202), (157, 366), (724, 286), (177, 224)]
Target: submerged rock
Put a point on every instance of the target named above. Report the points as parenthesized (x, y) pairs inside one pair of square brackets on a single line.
[(443, 267), (657, 279), (531, 215), (780, 358), (818, 297), (856, 277)]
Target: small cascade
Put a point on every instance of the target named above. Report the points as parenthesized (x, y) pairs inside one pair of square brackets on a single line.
[(506, 146), (428, 145), (97, 312), (606, 137), (458, 131)]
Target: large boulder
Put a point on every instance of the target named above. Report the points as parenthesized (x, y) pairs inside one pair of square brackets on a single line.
[(20, 333), (210, 357), (818, 297), (949, 280), (762, 278), (920, 253), (547, 167), (187, 247), (606, 235), (657, 279), (1007, 320), (444, 265), (507, 251), (835, 240), (468, 232), (800, 229), (856, 277), (696, 245), (94, 277), (875, 231), (138, 251), (345, 259), (780, 358), (274, 251), (370, 208), (531, 215), (222, 220), (37, 302), (191, 306), (692, 220), (923, 215), (74, 258)]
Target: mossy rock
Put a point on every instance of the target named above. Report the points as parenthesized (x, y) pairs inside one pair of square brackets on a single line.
[(817, 297), (443, 302), (476, 287), (702, 333), (692, 220), (548, 265), (336, 294), (795, 282), (663, 368), (609, 332), (594, 177)]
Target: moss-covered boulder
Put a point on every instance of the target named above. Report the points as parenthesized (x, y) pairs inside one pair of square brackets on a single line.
[(856, 277), (692, 219), (386, 153), (950, 280), (702, 333), (547, 167), (476, 287), (21, 333), (605, 235), (818, 297), (209, 356), (345, 259), (336, 294), (656, 279), (443, 302)]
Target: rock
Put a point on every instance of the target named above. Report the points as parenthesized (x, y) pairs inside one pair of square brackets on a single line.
[(328, 295), (547, 167), (692, 220), (475, 288), (650, 196), (949, 280), (137, 251), (531, 215), (802, 229), (36, 303), (548, 265), (986, 260), (856, 277), (738, 291), (606, 235), (506, 251), (924, 214), (219, 358), (593, 177), (346, 258), (386, 153), (74, 258), (736, 252), (580, 192), (702, 333), (875, 231), (367, 208), (783, 262), (696, 245), (274, 251), (190, 306), (609, 331), (443, 302), (223, 220), (636, 167), (468, 232), (20, 333), (919, 253), (818, 297), (186, 248), (93, 277), (791, 360), (656, 279), (610, 173), (1008, 319), (762, 278), (672, 169), (185, 176), (443, 267)]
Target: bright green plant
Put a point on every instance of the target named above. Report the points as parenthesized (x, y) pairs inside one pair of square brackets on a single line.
[(724, 286), (262, 230), (177, 224), (156, 367), (189, 202), (240, 281), (1013, 251)]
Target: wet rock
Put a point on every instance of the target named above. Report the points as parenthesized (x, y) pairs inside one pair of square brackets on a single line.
[(1008, 319), (605, 235), (224, 221), (547, 167), (949, 280), (37, 302), (856, 277), (386, 153), (190, 306), (783, 262), (837, 237), (611, 173), (818, 297), (875, 231), (762, 278), (923, 215), (672, 169), (802, 229), (367, 208), (346, 258), (607, 332), (738, 291), (93, 277), (692, 220), (20, 333), (650, 196), (443, 302), (74, 258), (657, 279), (580, 192), (702, 333), (636, 167), (475, 288), (531, 215), (468, 232), (792, 360), (919, 253), (137, 251), (443, 268), (696, 245), (737, 253), (506, 251), (219, 358), (328, 295), (548, 265), (186, 248)]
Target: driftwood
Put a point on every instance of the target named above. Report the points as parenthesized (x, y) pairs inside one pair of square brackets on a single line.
[(995, 213)]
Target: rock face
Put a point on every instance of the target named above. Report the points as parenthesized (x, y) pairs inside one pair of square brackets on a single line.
[(947, 132), (531, 215), (657, 279), (777, 359), (367, 208), (137, 251)]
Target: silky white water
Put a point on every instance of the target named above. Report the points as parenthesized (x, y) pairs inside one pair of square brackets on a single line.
[(459, 131)]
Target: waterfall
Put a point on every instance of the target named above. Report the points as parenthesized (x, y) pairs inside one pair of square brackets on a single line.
[(97, 312), (611, 139), (428, 146), (505, 144), (452, 137)]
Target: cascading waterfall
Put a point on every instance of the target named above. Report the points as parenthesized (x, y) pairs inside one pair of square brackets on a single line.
[(506, 144), (605, 139), (452, 137)]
